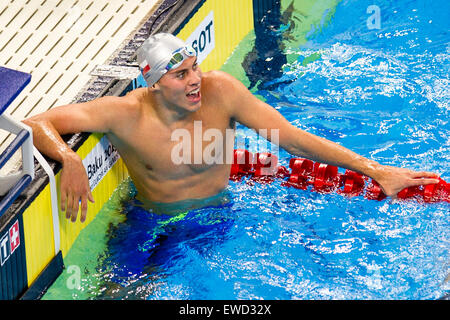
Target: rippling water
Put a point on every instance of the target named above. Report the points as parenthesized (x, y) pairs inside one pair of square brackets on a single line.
[(382, 93)]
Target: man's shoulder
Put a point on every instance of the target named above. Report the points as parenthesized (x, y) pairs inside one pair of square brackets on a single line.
[(221, 86), (217, 82), (128, 106), (217, 75), (136, 97), (131, 102)]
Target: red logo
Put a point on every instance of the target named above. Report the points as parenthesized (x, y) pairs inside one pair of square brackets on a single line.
[(14, 236), (145, 69), (9, 242)]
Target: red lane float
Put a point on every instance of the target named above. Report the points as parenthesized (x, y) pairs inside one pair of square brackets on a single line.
[(263, 167)]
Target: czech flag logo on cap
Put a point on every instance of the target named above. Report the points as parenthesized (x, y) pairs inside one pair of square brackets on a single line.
[(145, 67)]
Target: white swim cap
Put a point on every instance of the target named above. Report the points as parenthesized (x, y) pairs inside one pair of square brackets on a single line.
[(160, 53)]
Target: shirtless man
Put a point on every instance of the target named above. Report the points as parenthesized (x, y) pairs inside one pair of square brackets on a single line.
[(140, 126)]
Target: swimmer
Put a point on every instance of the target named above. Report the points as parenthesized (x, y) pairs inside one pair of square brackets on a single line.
[(140, 125)]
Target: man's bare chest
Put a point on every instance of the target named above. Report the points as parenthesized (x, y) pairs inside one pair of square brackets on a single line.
[(174, 152)]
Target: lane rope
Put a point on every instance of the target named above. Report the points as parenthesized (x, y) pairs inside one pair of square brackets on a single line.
[(319, 177)]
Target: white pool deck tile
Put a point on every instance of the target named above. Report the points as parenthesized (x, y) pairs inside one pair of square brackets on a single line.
[(60, 42)]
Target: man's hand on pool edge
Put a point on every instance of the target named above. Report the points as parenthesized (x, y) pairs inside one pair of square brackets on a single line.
[(392, 180), (75, 190)]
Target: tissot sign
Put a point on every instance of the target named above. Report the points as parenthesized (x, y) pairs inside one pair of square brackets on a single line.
[(203, 38), (9, 242)]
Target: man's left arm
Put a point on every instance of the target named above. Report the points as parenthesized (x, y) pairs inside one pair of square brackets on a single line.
[(256, 114)]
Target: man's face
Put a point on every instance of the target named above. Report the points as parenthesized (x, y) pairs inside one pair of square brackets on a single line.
[(180, 87)]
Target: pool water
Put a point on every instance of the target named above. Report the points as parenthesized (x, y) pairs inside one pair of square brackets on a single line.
[(380, 92)]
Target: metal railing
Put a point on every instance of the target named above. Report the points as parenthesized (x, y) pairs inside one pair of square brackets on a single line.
[(11, 186)]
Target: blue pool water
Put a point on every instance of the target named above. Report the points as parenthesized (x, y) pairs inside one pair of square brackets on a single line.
[(380, 92)]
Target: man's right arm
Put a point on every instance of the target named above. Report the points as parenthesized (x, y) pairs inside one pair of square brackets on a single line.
[(93, 116)]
